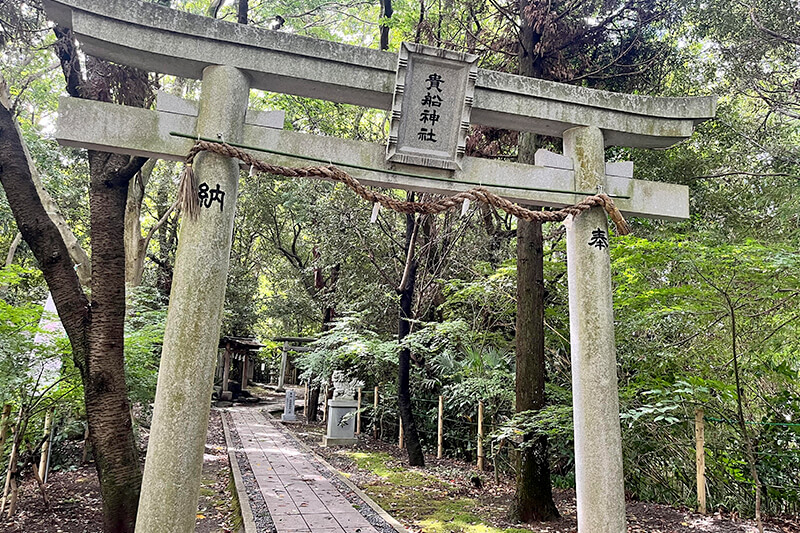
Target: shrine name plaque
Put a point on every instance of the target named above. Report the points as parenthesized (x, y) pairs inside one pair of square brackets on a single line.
[(432, 104)]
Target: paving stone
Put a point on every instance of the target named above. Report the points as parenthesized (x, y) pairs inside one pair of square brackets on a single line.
[(353, 520), (289, 521), (317, 521)]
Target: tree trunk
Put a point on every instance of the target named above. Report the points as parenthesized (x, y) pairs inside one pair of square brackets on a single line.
[(534, 498), (328, 315), (406, 291), (167, 238), (386, 12), (12, 459), (241, 12), (101, 354), (312, 404), (107, 408), (530, 60), (12, 250), (135, 244), (749, 452), (4, 426)]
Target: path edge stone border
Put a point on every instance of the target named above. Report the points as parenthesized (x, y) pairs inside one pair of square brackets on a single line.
[(248, 522), (350, 485)]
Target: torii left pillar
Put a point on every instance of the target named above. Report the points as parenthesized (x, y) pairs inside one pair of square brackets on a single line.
[(171, 483)]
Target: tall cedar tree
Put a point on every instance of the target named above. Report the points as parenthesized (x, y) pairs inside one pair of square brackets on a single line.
[(568, 42), (405, 290), (416, 456)]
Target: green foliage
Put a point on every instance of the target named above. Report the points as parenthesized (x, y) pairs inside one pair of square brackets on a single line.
[(25, 348), (144, 333), (36, 370), (351, 348), (674, 303), (487, 299)]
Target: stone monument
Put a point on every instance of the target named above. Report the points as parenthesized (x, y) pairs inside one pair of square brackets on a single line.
[(288, 407), (342, 413)]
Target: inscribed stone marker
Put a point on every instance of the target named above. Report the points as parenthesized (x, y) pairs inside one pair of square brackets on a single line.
[(288, 407), (341, 422)]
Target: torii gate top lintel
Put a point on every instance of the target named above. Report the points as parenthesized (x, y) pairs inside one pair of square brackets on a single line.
[(168, 41)]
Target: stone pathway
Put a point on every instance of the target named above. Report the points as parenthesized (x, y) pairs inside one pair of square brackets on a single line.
[(299, 498)]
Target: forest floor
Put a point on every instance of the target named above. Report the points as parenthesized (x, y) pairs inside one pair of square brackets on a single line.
[(74, 493), (443, 496)]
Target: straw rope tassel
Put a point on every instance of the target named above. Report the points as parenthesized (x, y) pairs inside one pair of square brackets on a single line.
[(476, 194)]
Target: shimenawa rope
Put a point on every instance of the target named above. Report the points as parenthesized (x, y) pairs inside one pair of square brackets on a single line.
[(189, 202)]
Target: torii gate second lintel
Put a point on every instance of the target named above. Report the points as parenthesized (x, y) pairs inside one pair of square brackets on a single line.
[(144, 132)]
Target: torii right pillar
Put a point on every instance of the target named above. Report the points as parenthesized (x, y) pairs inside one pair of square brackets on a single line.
[(598, 442)]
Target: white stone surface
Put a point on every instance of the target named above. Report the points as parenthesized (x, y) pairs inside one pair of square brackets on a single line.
[(546, 158), (622, 169), (598, 443), (169, 103), (131, 130), (158, 39)]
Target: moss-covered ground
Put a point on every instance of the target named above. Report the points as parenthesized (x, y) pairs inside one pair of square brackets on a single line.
[(433, 504), (452, 496)]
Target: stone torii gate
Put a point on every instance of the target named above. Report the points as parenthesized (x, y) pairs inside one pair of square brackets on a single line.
[(230, 59)]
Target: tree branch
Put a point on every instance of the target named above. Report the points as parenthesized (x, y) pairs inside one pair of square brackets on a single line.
[(771, 33)]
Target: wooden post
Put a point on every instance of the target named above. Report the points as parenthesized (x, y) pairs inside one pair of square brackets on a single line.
[(440, 432), (400, 437), (284, 366), (40, 482), (4, 424), (305, 400), (13, 497), (325, 406), (244, 370), (48, 420), (700, 439), (480, 435), (226, 367), (494, 461), (358, 413), (375, 415), (11, 483), (86, 443)]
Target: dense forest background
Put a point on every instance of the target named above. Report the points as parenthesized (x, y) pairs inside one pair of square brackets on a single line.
[(706, 309)]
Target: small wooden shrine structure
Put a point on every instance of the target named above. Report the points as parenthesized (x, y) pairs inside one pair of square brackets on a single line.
[(240, 355)]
